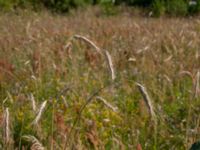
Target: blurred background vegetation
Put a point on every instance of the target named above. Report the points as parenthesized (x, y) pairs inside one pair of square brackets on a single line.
[(155, 7)]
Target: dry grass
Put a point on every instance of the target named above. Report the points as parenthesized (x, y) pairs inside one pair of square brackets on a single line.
[(41, 56), (40, 111), (35, 144), (6, 127)]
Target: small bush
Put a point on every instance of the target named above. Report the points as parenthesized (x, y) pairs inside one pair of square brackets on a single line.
[(108, 7), (158, 8), (177, 7), (63, 5), (12, 4), (6, 4)]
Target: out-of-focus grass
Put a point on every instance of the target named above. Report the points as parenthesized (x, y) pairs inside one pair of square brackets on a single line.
[(161, 54)]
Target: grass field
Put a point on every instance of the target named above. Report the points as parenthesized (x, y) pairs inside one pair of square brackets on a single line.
[(85, 81)]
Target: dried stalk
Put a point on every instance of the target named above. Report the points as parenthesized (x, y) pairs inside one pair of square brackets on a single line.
[(36, 145), (6, 127), (107, 104), (107, 55), (39, 114), (147, 100), (110, 64), (33, 102), (79, 37), (189, 74)]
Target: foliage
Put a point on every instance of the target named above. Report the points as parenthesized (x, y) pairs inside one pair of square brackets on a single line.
[(6, 4), (108, 7), (158, 8), (177, 7)]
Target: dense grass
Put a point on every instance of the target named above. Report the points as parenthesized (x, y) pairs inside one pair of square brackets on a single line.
[(40, 59)]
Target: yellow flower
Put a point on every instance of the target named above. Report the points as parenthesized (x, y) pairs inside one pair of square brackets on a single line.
[(20, 115)]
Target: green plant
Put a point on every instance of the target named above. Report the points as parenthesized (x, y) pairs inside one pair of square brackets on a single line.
[(158, 8), (108, 7), (6, 5), (177, 7)]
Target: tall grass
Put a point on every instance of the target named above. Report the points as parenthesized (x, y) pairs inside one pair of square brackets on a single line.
[(58, 80)]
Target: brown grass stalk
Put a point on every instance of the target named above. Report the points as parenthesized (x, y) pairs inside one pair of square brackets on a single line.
[(33, 102), (147, 100), (110, 64), (35, 144), (39, 114), (107, 104), (6, 127), (79, 37)]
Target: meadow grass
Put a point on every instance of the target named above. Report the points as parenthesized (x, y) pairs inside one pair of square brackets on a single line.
[(84, 81)]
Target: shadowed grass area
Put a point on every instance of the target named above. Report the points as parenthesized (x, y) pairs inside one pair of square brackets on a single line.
[(86, 99)]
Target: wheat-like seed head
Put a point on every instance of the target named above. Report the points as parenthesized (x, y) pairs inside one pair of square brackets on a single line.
[(36, 145), (113, 108), (6, 127), (40, 111), (110, 64), (89, 42), (33, 102), (107, 54), (147, 100)]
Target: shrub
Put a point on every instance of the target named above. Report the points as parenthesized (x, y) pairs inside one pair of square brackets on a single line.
[(63, 5), (158, 8), (11, 4), (6, 5), (177, 7), (108, 7)]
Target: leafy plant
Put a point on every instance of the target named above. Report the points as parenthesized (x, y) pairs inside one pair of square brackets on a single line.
[(6, 5), (177, 7), (108, 7), (158, 8)]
